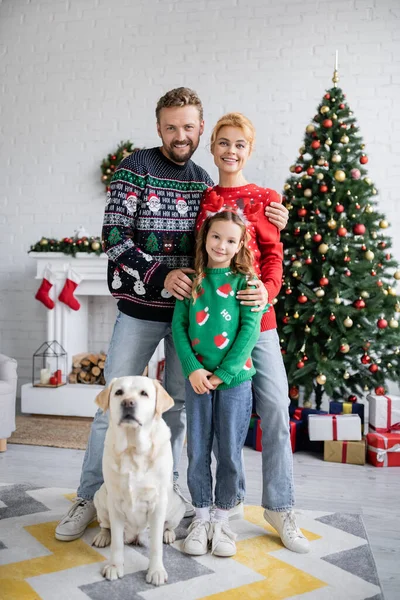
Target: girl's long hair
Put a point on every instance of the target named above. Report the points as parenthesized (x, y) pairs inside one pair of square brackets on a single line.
[(242, 262)]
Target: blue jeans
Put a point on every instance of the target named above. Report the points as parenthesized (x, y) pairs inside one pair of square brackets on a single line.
[(133, 343), (270, 388), (225, 414)]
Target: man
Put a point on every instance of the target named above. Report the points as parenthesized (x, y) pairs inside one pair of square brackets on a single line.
[(148, 235)]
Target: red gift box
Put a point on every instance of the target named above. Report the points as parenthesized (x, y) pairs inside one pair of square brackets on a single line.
[(258, 442), (383, 449)]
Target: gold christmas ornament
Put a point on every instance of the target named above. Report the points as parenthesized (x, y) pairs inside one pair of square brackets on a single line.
[(310, 128), (320, 176), (320, 293), (374, 192), (307, 236), (297, 264), (368, 180), (336, 158), (95, 245), (329, 201), (296, 315), (324, 109), (396, 275), (393, 323), (328, 142), (392, 291), (346, 375), (321, 379), (320, 162), (369, 255), (348, 322), (383, 224), (307, 329), (307, 404), (286, 187), (340, 175), (302, 149), (308, 193), (384, 292), (332, 224), (323, 248), (292, 168), (364, 294), (338, 300), (43, 242), (345, 139), (374, 235), (368, 209), (389, 365)]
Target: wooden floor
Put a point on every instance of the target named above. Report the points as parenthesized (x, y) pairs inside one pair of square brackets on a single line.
[(372, 492)]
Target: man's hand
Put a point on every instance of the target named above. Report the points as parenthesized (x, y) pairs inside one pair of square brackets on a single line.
[(178, 284), (255, 296), (277, 214), (215, 381), (200, 382)]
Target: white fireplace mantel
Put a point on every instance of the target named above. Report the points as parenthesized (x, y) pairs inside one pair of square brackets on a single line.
[(70, 328)]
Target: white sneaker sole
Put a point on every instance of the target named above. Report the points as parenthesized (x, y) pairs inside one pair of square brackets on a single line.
[(70, 537)]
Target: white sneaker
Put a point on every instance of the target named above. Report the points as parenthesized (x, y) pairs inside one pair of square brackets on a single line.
[(237, 512), (72, 526), (223, 540), (285, 524), (197, 540), (190, 510)]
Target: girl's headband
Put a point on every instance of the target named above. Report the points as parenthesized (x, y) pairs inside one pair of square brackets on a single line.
[(213, 204)]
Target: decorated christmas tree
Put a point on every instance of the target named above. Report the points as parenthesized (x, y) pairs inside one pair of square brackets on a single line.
[(337, 307)]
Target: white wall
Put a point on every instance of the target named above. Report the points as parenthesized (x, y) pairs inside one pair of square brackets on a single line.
[(78, 76)]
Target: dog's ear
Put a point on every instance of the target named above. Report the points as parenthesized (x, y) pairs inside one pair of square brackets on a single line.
[(103, 399), (163, 400)]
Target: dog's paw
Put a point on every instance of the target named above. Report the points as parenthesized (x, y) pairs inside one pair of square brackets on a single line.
[(112, 572), (102, 539), (157, 576), (169, 536)]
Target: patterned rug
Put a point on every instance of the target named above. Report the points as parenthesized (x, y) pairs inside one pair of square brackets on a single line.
[(35, 566), (58, 432)]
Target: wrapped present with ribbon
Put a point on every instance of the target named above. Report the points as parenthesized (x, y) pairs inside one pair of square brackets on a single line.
[(334, 427), (383, 449), (303, 442), (384, 413), (348, 408), (297, 434), (345, 452)]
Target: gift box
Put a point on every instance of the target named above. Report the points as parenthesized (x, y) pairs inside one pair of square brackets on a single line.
[(334, 427), (347, 408), (303, 442), (384, 413), (345, 452), (383, 449), (297, 433)]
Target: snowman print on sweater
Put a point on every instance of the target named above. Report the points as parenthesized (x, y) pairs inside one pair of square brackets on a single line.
[(116, 282), (138, 286)]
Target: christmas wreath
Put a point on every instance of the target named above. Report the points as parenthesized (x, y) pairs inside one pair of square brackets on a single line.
[(112, 161), (68, 245)]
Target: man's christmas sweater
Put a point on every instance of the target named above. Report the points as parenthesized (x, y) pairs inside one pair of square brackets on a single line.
[(265, 239), (216, 332), (148, 229)]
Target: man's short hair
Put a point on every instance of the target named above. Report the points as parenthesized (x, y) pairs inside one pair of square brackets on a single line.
[(181, 96)]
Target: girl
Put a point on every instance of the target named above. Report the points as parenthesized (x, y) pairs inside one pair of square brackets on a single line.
[(214, 336), (232, 142)]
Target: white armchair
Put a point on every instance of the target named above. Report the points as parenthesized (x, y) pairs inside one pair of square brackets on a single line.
[(8, 394)]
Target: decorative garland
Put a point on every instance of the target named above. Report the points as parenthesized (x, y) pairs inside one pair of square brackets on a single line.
[(90, 245), (112, 161)]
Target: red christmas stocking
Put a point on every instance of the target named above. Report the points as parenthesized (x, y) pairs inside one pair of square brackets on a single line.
[(43, 292), (70, 285)]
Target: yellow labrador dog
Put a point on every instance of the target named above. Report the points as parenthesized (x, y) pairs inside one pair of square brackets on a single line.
[(137, 468)]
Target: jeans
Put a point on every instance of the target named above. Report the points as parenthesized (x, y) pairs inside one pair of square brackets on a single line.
[(225, 414), (271, 395), (133, 343)]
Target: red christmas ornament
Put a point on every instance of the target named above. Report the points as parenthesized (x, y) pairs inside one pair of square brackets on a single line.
[(302, 212), (311, 319), (317, 237), (341, 106), (343, 125), (288, 291), (373, 273), (286, 319), (382, 323), (359, 229), (379, 283), (323, 188), (382, 244), (367, 345), (294, 392), (339, 208), (305, 358), (310, 171), (374, 368), (323, 281), (380, 390), (299, 186), (113, 157), (352, 398), (347, 273), (327, 123), (359, 304), (347, 259), (296, 231), (298, 169), (300, 364), (317, 211), (315, 144), (327, 96), (358, 206), (283, 351), (308, 261), (363, 247), (365, 359), (332, 317), (363, 159), (342, 231), (302, 299), (387, 256)]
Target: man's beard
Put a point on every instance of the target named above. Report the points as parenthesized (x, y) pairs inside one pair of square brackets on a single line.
[(181, 157)]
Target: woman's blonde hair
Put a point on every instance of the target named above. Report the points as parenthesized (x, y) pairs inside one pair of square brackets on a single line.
[(234, 119), (242, 262)]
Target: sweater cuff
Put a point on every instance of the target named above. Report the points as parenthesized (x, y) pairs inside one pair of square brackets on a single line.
[(226, 377), (191, 364)]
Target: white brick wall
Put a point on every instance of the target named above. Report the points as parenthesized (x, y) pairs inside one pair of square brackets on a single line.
[(76, 77)]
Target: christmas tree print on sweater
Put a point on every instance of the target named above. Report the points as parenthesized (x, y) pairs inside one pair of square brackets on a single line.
[(215, 331)]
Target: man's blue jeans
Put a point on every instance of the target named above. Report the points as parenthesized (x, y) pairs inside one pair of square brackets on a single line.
[(132, 345), (225, 414)]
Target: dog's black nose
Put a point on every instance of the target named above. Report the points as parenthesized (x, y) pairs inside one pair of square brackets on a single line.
[(128, 403)]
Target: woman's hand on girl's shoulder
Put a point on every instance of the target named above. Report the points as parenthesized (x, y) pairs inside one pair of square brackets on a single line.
[(256, 296)]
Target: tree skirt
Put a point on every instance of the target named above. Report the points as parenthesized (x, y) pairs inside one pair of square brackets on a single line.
[(59, 432), (35, 566)]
